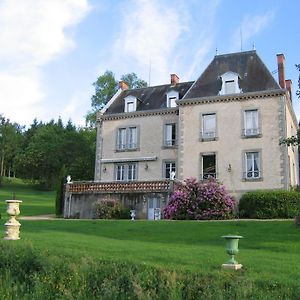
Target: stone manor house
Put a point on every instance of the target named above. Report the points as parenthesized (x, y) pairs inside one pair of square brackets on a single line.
[(227, 124)]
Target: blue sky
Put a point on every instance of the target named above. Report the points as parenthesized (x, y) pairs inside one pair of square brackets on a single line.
[(53, 50)]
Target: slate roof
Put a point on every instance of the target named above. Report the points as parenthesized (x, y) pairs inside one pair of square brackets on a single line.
[(149, 98), (254, 76)]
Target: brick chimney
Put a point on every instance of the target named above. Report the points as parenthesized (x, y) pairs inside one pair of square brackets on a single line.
[(174, 79), (123, 85), (281, 71), (288, 85)]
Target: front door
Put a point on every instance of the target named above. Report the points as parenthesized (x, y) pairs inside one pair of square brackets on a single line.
[(153, 203)]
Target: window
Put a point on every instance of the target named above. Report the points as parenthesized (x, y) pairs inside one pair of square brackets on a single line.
[(170, 135), (126, 172), (252, 165), (251, 123), (169, 170), (230, 87), (171, 101), (209, 166), (130, 106), (130, 103), (209, 126), (120, 173), (127, 138), (230, 83), (121, 139), (132, 138)]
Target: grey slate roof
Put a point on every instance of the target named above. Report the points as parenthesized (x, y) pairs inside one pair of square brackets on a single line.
[(149, 98), (254, 76)]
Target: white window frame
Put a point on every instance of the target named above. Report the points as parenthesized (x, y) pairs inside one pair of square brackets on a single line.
[(230, 79), (130, 104), (205, 134), (132, 138), (172, 96), (205, 176), (121, 138), (126, 172), (124, 140), (252, 165), (253, 129), (170, 131), (171, 165)]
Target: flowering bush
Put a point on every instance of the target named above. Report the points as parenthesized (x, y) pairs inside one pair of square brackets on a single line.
[(200, 201), (109, 209)]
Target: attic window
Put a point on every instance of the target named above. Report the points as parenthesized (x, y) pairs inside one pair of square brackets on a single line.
[(130, 104), (230, 83), (172, 96), (171, 101)]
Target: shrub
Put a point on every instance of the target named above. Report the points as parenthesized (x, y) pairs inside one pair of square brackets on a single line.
[(269, 204), (109, 209), (199, 201)]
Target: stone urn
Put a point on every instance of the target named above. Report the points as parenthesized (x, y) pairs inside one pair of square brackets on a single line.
[(232, 248), (132, 214), (12, 225)]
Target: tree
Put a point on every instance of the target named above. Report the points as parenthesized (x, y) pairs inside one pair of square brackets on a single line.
[(10, 145), (133, 81), (105, 87)]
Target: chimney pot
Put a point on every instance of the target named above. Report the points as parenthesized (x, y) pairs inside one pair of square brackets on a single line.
[(174, 79), (123, 85), (281, 71)]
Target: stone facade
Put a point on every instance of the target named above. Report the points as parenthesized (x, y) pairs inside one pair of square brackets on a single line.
[(227, 124)]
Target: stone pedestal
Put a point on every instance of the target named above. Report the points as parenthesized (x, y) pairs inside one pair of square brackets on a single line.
[(232, 266), (12, 225)]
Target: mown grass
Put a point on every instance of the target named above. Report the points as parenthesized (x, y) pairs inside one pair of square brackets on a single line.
[(269, 252), (103, 259), (35, 201)]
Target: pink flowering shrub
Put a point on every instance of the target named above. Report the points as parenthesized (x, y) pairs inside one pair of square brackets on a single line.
[(200, 201)]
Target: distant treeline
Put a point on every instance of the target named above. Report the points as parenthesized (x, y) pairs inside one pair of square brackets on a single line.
[(40, 152)]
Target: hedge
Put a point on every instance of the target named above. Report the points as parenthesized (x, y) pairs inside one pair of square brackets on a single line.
[(269, 204)]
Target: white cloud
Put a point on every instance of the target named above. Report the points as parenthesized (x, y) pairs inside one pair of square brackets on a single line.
[(32, 33), (251, 25), (149, 32), (156, 32)]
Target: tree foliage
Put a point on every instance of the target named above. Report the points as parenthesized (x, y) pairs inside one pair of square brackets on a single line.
[(47, 147), (105, 87), (10, 145)]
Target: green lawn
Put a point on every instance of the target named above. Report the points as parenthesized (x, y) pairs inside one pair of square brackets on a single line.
[(269, 253), (270, 250), (35, 201)]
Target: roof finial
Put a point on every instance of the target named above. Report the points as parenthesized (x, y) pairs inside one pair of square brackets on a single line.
[(253, 46), (241, 33), (216, 51)]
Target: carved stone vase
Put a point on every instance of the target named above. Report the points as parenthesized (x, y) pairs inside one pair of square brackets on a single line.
[(232, 248), (12, 225)]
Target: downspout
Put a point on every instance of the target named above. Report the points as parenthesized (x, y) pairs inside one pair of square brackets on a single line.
[(99, 146)]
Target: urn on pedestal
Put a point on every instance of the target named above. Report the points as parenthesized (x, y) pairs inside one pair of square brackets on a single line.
[(12, 225)]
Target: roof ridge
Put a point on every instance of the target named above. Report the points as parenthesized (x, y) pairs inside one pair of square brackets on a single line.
[(236, 53), (159, 85)]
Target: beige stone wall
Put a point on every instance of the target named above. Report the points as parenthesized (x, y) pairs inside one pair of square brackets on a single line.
[(151, 131), (230, 146), (291, 130)]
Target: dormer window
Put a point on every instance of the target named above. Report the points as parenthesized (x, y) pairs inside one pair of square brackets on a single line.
[(130, 104), (172, 96), (230, 83)]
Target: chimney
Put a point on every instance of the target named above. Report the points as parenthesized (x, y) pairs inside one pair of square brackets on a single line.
[(123, 85), (174, 79), (288, 84), (281, 72)]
